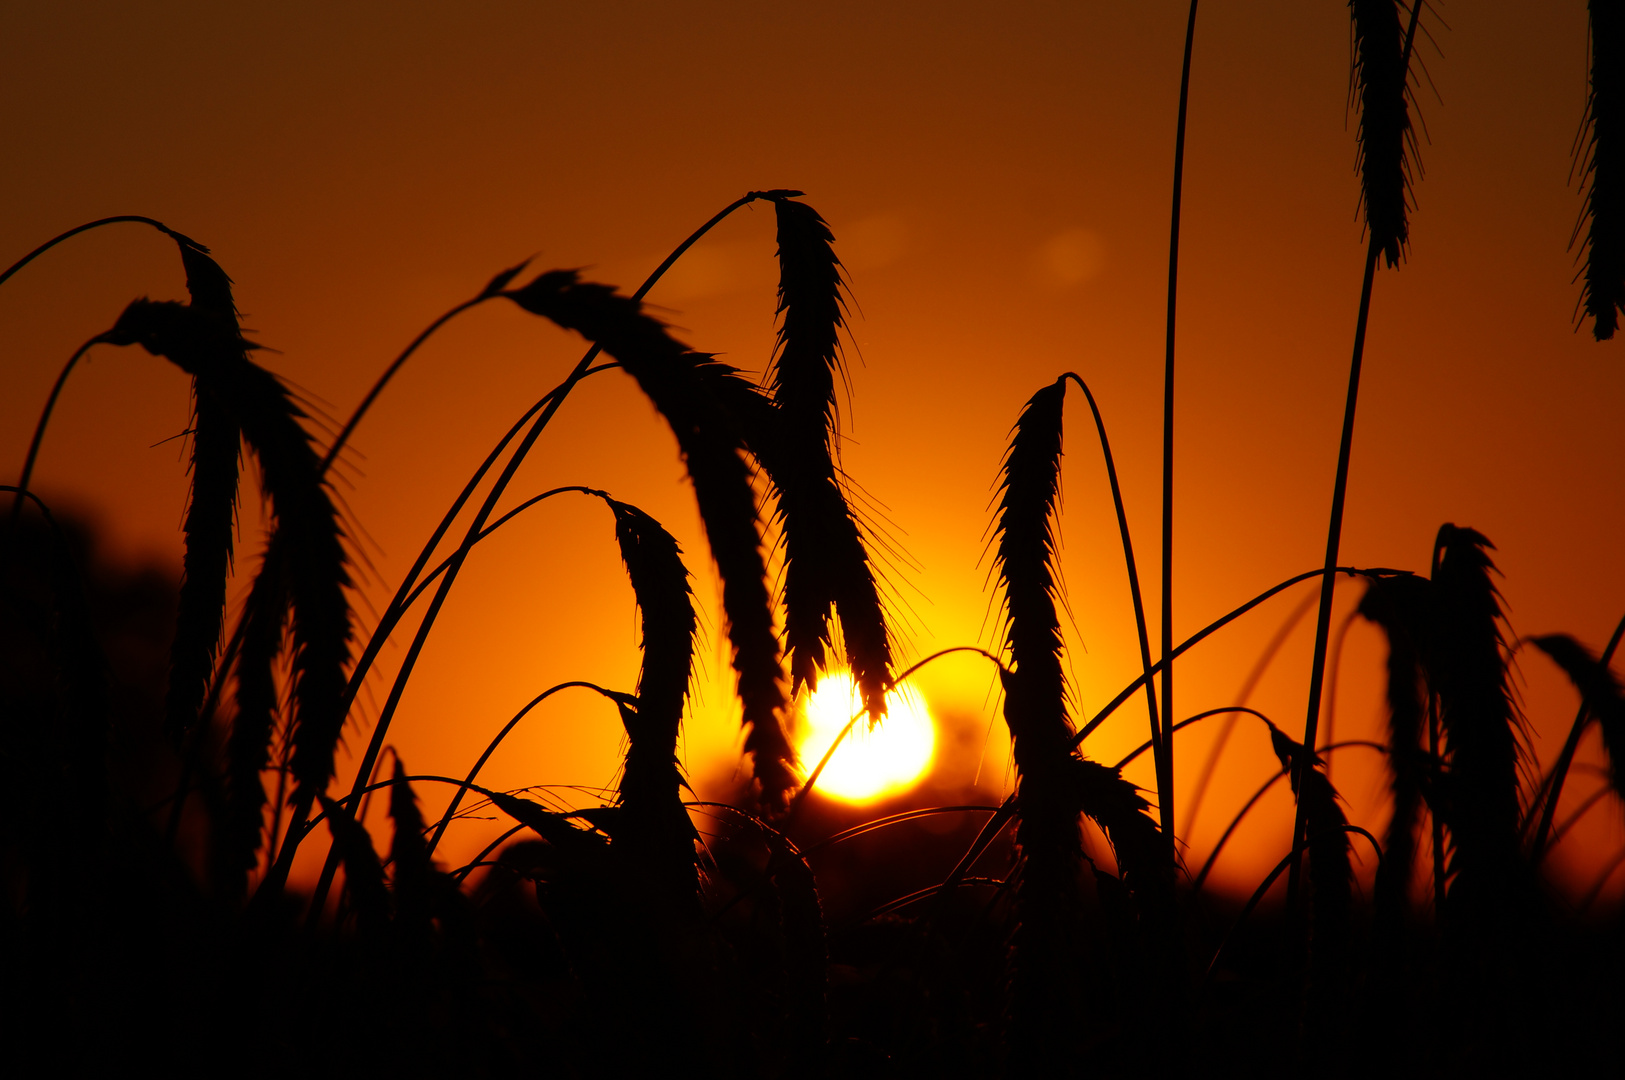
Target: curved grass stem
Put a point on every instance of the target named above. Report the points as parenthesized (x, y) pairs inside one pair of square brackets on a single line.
[(456, 800), (1198, 637), (1160, 744), (297, 830)]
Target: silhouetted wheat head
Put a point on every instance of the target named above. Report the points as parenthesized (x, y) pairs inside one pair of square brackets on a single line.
[(207, 345), (647, 959), (1023, 559), (1048, 989), (1400, 605), (679, 382), (1387, 144), (1481, 720), (210, 514), (363, 873), (1600, 161), (825, 564), (1331, 888), (651, 783)]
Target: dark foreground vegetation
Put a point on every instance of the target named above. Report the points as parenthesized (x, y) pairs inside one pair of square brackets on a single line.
[(164, 764)]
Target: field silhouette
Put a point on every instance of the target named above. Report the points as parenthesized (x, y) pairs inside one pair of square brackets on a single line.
[(160, 796)]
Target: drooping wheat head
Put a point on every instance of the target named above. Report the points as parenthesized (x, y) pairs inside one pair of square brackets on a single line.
[(208, 346), (210, 513), (826, 565), (677, 381)]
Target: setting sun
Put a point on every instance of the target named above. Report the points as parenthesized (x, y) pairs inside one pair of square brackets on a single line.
[(868, 763)]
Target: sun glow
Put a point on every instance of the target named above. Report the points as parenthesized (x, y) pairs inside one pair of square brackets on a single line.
[(868, 763)]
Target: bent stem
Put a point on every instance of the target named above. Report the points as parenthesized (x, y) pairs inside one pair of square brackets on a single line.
[(456, 800), (55, 240), (1197, 638), (297, 829), (1211, 765), (44, 420), (1160, 745)]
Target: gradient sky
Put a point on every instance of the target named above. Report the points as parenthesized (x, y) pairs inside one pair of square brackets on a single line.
[(998, 180)]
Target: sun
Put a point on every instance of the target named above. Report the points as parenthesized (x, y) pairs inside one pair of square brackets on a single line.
[(868, 763)]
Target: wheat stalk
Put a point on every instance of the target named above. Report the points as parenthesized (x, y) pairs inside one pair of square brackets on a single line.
[(676, 380), (826, 565), (1380, 81)]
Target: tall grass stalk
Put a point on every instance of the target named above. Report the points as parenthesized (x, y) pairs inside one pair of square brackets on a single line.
[(1381, 82), (1165, 753), (1331, 887), (6, 274)]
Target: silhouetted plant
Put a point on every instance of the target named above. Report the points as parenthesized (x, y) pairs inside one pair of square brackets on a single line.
[(825, 562), (676, 379), (1600, 161), (618, 927), (1381, 83)]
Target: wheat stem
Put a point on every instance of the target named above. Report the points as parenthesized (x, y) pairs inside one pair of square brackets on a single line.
[(45, 419), (55, 240), (297, 832), (1334, 532), (1226, 710), (1164, 753), (1159, 744), (1197, 638), (456, 800)]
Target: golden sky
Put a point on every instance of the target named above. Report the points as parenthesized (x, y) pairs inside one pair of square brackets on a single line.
[(998, 180)]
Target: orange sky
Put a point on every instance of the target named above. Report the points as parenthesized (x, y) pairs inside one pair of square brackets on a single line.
[(998, 181)]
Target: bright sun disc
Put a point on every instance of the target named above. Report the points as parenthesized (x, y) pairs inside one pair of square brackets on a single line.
[(868, 763)]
